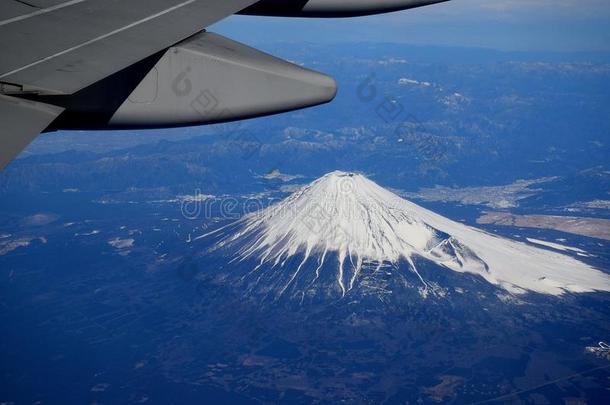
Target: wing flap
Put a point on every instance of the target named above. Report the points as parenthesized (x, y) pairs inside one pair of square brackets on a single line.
[(21, 121)]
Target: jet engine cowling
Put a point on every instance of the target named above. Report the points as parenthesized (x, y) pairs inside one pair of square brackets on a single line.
[(332, 8)]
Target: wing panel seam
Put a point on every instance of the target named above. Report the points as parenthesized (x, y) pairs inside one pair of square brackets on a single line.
[(40, 11)]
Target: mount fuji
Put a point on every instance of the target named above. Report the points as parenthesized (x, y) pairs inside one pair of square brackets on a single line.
[(344, 236)]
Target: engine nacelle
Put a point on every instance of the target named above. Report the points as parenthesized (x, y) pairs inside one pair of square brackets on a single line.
[(209, 78), (332, 8)]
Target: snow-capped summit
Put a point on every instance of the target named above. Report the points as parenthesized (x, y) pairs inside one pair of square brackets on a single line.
[(347, 219)]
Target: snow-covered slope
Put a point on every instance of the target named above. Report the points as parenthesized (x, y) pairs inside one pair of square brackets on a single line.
[(353, 220)]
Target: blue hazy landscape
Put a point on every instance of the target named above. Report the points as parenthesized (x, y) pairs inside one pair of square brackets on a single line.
[(108, 297)]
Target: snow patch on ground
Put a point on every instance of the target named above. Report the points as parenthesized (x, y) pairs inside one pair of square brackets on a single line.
[(407, 81), (122, 245), (7, 246), (556, 246), (93, 232), (277, 175)]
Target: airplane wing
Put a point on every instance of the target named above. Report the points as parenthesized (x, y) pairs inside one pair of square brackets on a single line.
[(63, 46), (99, 64)]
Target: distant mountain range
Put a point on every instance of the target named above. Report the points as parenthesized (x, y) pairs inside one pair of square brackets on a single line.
[(414, 116)]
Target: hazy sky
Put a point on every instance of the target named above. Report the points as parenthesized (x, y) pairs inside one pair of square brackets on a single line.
[(558, 25)]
